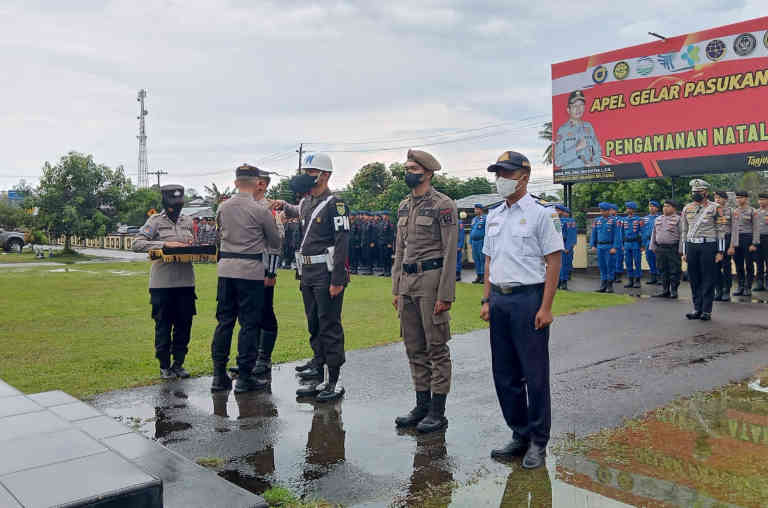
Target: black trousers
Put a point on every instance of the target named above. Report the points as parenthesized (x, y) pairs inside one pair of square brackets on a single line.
[(386, 259), (520, 364), (762, 257), (323, 316), (723, 271), (669, 263), (745, 267), (268, 317), (239, 300), (172, 310), (701, 273)]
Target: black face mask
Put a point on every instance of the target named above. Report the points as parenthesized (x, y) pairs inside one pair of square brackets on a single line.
[(303, 183), (698, 197), (412, 180), (173, 213)]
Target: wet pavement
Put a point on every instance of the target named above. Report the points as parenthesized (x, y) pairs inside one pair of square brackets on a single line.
[(608, 365)]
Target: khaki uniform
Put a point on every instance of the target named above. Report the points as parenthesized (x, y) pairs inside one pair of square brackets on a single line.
[(158, 230), (742, 237), (760, 238), (665, 242), (426, 232), (723, 273), (700, 241)]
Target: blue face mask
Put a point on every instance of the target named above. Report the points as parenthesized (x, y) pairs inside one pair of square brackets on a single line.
[(303, 183)]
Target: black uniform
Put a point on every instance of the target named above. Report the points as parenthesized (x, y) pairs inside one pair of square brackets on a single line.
[(355, 245), (328, 229), (386, 241)]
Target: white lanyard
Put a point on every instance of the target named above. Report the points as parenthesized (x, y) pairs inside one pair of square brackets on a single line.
[(315, 212)]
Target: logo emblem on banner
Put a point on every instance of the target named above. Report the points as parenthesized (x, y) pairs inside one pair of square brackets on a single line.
[(765, 40), (690, 55), (744, 44), (716, 50), (621, 70), (644, 65), (667, 61), (599, 74)]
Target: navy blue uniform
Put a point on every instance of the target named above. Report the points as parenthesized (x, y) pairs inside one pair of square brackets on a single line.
[(606, 235), (477, 237), (631, 236), (570, 236)]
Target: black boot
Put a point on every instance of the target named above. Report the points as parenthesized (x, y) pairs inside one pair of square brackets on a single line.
[(603, 286), (423, 401), (748, 290), (314, 372), (718, 293), (178, 368), (740, 291), (263, 367), (653, 280), (726, 296), (564, 285), (248, 382), (637, 283), (305, 366), (608, 286), (221, 381), (435, 419), (665, 293), (673, 291), (332, 389), (631, 283), (760, 286)]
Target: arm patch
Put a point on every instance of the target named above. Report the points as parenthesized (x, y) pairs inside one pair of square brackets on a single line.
[(446, 216)]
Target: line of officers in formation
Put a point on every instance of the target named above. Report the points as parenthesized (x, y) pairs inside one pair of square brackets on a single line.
[(520, 255), (710, 235)]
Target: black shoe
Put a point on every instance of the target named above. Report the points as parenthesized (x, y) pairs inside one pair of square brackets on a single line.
[(221, 381), (664, 294), (706, 316), (653, 281), (718, 294), (262, 369), (310, 389), (693, 315), (603, 286), (383, 274), (659, 283), (515, 448), (312, 373), (747, 291), (609, 287), (479, 280), (726, 294), (564, 285), (418, 413), (637, 285), (435, 419), (631, 283), (167, 373), (249, 384), (305, 366), (534, 457), (673, 292), (739, 292), (458, 278), (616, 280), (331, 391), (180, 370), (759, 287)]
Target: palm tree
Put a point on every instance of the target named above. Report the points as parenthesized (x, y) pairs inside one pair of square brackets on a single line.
[(546, 134), (216, 196)]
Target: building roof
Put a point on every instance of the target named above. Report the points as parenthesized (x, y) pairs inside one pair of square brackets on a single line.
[(487, 200), (198, 211)]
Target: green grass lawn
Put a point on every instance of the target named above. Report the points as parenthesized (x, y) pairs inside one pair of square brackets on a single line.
[(87, 329)]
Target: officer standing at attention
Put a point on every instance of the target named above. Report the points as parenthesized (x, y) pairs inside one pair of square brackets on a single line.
[(171, 285), (650, 256), (523, 246), (631, 232), (760, 239), (322, 268), (742, 233), (723, 274), (570, 237), (702, 246), (665, 244), (618, 258), (424, 288), (247, 230), (604, 240), (460, 245), (576, 144), (387, 242), (477, 237)]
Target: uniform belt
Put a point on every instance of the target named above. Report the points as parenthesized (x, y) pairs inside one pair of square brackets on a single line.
[(668, 245), (702, 240), (430, 264), (240, 255), (636, 240), (510, 290), (314, 260), (604, 243)]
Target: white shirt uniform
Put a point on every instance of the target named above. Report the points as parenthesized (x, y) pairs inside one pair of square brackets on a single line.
[(517, 238)]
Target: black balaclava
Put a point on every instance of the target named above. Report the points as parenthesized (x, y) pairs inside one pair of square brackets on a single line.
[(173, 200)]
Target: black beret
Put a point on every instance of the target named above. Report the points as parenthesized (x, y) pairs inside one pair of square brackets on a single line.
[(670, 203), (763, 195), (742, 194), (722, 194)]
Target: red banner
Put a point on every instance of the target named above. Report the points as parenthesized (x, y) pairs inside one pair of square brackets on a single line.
[(691, 104)]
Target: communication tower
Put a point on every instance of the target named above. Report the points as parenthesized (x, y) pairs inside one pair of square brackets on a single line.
[(143, 171)]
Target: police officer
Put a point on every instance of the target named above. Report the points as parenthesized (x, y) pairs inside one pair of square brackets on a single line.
[(246, 231), (618, 257), (570, 237), (723, 274), (605, 240), (702, 246), (760, 239), (424, 289), (355, 242), (742, 234), (322, 267), (460, 245), (290, 242), (386, 243), (518, 293), (576, 144), (650, 256), (477, 237), (171, 285), (365, 227), (631, 233), (665, 244)]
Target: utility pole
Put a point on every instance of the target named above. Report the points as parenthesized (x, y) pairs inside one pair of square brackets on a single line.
[(158, 173), (300, 151), (143, 167)]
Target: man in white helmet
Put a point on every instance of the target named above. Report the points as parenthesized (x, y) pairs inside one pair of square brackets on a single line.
[(321, 260)]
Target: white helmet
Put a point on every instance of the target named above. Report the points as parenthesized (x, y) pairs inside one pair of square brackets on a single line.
[(321, 161)]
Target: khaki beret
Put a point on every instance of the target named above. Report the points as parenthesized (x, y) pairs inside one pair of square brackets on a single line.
[(424, 159)]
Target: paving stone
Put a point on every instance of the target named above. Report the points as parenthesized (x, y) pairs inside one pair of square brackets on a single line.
[(54, 398), (79, 480), (15, 427), (7, 390), (42, 449), (17, 405), (131, 445), (75, 411), (102, 427)]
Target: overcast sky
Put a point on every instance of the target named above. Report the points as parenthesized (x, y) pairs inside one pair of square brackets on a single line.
[(247, 80)]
